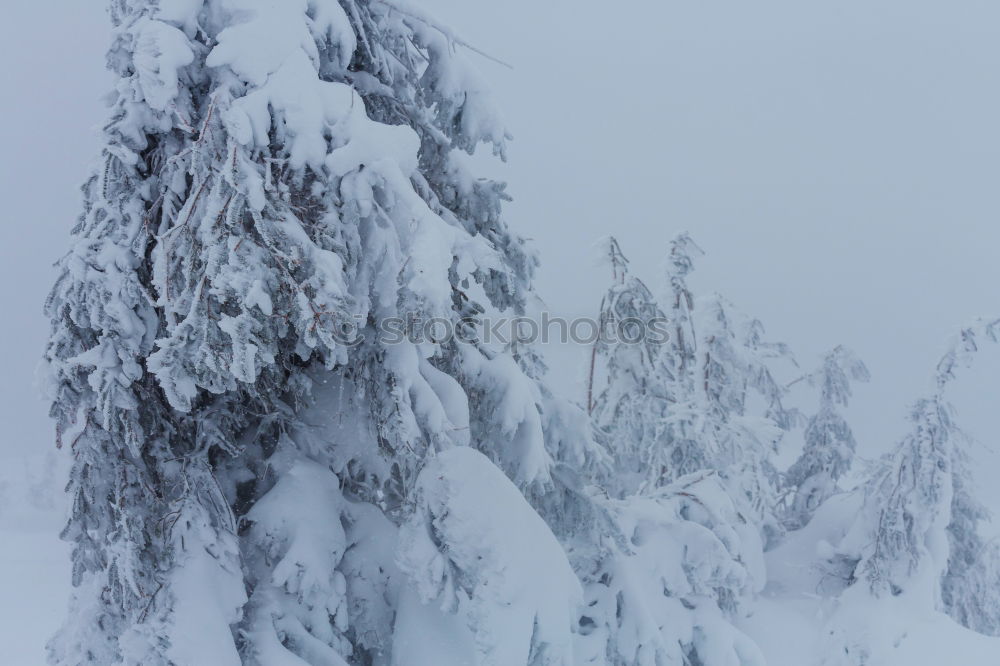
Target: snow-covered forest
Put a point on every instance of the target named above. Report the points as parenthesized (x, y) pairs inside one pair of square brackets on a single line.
[(311, 404)]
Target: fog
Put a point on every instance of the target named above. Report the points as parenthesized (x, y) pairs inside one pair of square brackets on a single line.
[(838, 162)]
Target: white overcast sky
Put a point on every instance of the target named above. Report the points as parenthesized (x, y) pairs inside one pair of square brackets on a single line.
[(838, 161)]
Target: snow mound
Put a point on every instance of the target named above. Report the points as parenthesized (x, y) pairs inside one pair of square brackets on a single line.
[(686, 562), (477, 549)]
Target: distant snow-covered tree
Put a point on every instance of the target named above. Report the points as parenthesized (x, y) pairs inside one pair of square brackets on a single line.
[(915, 545), (972, 576), (630, 410), (648, 412), (969, 587), (918, 533), (743, 416), (829, 441), (679, 449), (690, 424), (911, 497), (703, 399)]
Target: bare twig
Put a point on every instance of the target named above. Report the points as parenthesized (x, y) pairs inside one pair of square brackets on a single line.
[(449, 35)]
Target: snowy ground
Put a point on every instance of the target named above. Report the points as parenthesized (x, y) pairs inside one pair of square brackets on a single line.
[(790, 621), (790, 632)]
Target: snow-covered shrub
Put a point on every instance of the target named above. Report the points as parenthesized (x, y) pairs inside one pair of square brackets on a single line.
[(680, 564)]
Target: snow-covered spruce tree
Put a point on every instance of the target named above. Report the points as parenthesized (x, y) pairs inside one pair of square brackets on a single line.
[(629, 411), (971, 580), (679, 449), (678, 558), (705, 380), (647, 414), (744, 418), (918, 532), (969, 589), (912, 497), (278, 180), (829, 441), (675, 406), (897, 550)]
